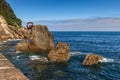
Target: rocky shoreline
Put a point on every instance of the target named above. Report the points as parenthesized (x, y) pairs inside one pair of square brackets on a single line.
[(11, 32), (43, 41), (39, 39)]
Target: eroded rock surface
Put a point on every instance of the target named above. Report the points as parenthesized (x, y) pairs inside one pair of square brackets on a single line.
[(23, 46), (60, 54), (42, 41), (92, 59), (11, 32)]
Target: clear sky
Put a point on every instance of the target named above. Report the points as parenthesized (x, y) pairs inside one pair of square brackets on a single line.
[(33, 10)]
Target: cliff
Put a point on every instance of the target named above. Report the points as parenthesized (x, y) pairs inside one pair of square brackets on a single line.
[(8, 14), (11, 32)]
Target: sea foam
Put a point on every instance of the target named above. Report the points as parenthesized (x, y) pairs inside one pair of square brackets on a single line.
[(106, 60), (76, 53), (34, 57)]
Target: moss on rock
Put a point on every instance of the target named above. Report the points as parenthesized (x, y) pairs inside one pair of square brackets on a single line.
[(7, 12)]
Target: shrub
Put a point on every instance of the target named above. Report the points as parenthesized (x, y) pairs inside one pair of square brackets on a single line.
[(8, 14)]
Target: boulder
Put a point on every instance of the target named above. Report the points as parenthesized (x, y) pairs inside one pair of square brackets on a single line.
[(60, 54), (91, 59), (23, 46), (42, 40)]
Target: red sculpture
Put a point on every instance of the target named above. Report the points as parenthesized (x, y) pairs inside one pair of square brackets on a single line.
[(30, 25)]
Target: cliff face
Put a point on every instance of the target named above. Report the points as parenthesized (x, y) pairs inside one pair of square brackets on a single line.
[(11, 32), (8, 14)]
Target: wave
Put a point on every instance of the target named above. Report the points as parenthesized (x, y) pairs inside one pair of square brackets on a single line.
[(103, 60), (76, 53), (36, 57), (106, 60)]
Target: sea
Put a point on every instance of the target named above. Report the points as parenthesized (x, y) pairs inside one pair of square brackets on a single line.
[(106, 44)]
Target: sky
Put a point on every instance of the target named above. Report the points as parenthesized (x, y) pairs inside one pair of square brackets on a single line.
[(55, 10)]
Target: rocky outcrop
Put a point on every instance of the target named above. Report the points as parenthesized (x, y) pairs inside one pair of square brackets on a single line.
[(60, 54), (23, 46), (42, 41), (91, 59), (11, 32), (4, 30)]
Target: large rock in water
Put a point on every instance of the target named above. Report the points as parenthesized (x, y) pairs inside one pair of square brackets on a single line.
[(60, 54), (91, 59), (42, 41)]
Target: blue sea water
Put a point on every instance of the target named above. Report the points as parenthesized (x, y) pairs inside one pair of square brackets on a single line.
[(103, 43), (106, 44)]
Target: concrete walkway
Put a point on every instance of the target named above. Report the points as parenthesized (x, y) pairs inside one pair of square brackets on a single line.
[(8, 70)]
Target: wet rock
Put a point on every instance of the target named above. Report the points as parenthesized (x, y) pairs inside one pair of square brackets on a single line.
[(92, 59), (42, 40), (60, 54)]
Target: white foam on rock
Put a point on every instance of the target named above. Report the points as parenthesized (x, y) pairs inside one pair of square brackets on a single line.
[(106, 60)]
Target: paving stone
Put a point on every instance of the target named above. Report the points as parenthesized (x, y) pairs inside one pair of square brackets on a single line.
[(8, 70)]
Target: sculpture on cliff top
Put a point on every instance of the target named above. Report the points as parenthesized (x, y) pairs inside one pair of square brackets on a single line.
[(30, 25)]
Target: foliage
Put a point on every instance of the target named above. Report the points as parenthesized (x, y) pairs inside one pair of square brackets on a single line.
[(8, 13)]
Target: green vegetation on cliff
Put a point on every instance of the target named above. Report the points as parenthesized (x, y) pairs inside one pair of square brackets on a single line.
[(8, 13)]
